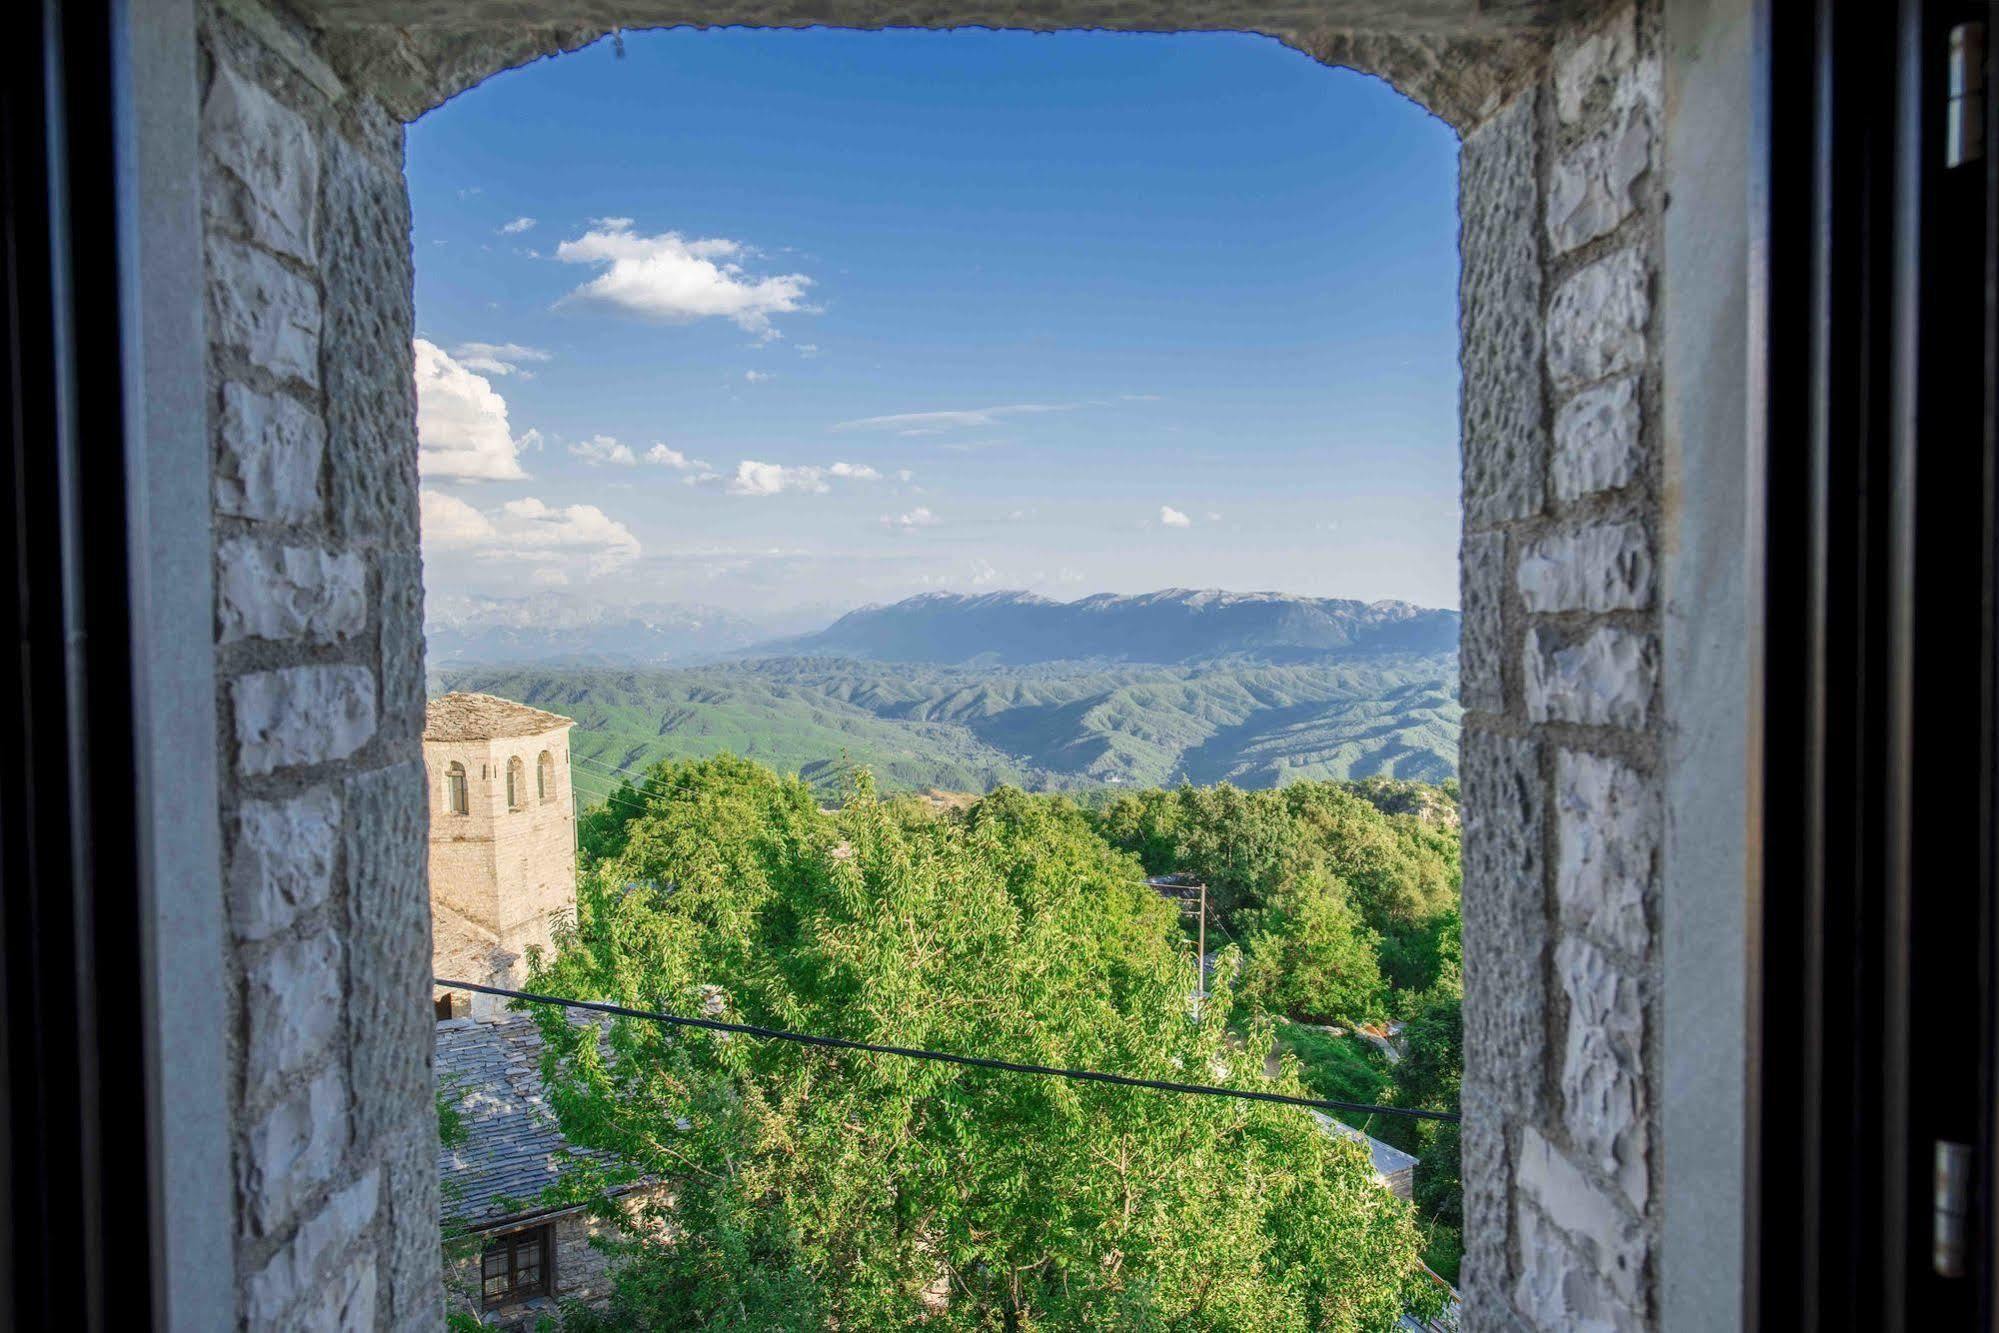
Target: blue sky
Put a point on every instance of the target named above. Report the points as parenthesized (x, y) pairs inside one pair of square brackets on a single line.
[(781, 320)]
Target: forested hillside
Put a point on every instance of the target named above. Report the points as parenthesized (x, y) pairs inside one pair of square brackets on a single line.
[(1044, 727), (815, 1189)]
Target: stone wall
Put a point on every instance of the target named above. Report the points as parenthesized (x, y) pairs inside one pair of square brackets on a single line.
[(318, 643), (320, 671), (1560, 763), (582, 1273)]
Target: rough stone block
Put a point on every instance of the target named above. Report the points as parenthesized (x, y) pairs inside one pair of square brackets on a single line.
[(1606, 680), (1558, 1292), (400, 601), (269, 463), (1482, 650), (371, 387), (1487, 1267), (1606, 1236), (1596, 321), (303, 1267), (1598, 73), (413, 1262), (288, 593), (263, 311), (292, 1151), (1499, 288), (281, 865), (388, 905), (263, 181), (292, 1002), (1590, 190), (302, 715), (1604, 567), (1607, 837), (1597, 443), (1505, 924), (1603, 1067)]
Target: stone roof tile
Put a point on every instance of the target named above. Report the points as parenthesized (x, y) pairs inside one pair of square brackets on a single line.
[(479, 717)]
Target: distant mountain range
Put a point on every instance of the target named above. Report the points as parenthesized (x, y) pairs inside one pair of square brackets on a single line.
[(1178, 625), (550, 629), (966, 692)]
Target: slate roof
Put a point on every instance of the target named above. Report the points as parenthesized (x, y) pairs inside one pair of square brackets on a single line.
[(1395, 1167), (479, 717), (493, 1069)]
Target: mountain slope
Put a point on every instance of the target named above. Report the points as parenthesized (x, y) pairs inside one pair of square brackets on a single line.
[(1174, 626)]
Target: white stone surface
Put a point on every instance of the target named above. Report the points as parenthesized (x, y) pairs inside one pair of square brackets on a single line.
[(1606, 680), (1590, 188), (1597, 441), (1598, 71), (266, 182), (302, 715), (1604, 567), (281, 863), (1599, 1229), (348, 1304), (1596, 321), (1558, 1292), (304, 1266), (288, 592), (1607, 839), (262, 311), (292, 1005), (1603, 1067), (269, 465), (292, 1151)]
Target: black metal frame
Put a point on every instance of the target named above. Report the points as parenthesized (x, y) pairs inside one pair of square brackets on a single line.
[(76, 1234), (1873, 1037)]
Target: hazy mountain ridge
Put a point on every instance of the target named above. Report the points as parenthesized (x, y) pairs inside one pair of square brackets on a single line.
[(1175, 625)]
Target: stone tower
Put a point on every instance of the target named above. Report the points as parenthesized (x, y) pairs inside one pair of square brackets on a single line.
[(502, 840)]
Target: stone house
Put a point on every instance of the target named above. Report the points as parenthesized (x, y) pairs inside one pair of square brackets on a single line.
[(502, 840), (1720, 296)]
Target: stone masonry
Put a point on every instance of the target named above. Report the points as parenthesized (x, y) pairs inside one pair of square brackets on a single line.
[(319, 610)]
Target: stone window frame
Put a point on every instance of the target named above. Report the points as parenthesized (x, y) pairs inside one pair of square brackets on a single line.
[(544, 777), (457, 789), (1467, 66), (517, 784)]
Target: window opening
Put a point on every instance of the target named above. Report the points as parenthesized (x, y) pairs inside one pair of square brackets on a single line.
[(456, 797), (514, 1267)]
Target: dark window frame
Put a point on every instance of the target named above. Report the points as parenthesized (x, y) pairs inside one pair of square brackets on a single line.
[(508, 1246)]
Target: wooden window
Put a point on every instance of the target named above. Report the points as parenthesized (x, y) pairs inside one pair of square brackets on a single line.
[(515, 1266), (544, 777), (454, 790)]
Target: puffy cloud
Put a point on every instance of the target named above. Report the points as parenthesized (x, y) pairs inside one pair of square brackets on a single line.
[(461, 422), (935, 423), (517, 226), (757, 376), (601, 449), (449, 523), (665, 456), (1173, 518), (527, 530), (753, 478), (679, 279), (808, 349), (497, 358), (854, 472), (918, 517)]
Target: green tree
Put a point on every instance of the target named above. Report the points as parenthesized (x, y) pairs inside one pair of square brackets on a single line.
[(813, 1188), (1312, 959)]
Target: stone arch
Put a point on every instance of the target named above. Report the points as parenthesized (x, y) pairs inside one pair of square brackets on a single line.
[(310, 280)]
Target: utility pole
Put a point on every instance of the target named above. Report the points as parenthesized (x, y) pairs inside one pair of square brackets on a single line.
[(1201, 958)]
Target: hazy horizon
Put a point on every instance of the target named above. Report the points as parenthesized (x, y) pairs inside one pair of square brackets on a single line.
[(784, 324)]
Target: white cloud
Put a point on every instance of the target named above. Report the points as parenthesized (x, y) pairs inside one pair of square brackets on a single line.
[(918, 517), (753, 478), (517, 226), (1173, 518), (757, 376), (599, 449), (808, 349), (679, 279), (527, 530), (854, 472), (666, 456), (547, 576), (934, 423), (1213, 517), (497, 358), (905, 475), (461, 422)]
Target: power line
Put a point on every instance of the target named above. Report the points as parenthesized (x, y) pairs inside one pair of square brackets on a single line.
[(946, 1057)]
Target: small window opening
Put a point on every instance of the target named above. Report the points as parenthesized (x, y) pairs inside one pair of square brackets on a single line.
[(446, 1006), (514, 1267), (455, 794), (544, 778), (516, 784)]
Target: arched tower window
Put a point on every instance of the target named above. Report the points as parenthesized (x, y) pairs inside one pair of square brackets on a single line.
[(517, 781), (544, 777), (455, 795)]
